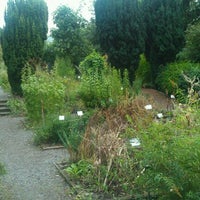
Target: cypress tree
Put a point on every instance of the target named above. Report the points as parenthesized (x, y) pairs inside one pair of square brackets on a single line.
[(120, 30), (165, 28), (23, 37)]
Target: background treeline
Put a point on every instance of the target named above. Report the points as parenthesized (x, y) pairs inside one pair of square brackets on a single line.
[(163, 30)]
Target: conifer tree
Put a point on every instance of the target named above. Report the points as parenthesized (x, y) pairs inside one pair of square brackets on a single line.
[(121, 32), (164, 20), (23, 37)]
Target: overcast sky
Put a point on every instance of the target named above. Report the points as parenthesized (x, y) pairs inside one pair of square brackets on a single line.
[(85, 5)]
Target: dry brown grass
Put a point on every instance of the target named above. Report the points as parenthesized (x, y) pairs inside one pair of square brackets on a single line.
[(103, 137)]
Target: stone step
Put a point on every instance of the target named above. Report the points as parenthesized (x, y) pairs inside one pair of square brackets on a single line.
[(3, 101), (4, 114), (4, 109)]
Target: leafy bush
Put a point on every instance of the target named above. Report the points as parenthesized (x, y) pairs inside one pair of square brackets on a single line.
[(192, 50), (44, 94), (101, 85), (4, 83), (169, 159), (171, 78), (92, 63)]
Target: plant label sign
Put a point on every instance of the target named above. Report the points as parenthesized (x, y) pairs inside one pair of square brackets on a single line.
[(80, 113), (61, 117), (148, 107)]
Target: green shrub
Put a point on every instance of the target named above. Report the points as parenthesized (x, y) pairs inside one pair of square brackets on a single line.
[(92, 63), (44, 94), (101, 85), (170, 157), (171, 78)]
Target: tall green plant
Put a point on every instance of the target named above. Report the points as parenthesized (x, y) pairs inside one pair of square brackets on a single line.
[(64, 68), (23, 37), (44, 94), (101, 85), (143, 71)]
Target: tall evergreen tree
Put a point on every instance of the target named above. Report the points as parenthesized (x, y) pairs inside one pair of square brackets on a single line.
[(23, 36), (165, 27), (121, 32)]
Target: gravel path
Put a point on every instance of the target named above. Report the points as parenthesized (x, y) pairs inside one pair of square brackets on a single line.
[(31, 174)]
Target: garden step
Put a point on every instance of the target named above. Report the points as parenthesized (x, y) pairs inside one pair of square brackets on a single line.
[(4, 109)]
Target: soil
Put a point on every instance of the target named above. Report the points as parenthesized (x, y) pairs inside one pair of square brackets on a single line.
[(30, 171), (160, 100)]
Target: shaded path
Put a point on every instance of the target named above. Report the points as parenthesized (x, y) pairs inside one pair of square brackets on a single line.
[(31, 174)]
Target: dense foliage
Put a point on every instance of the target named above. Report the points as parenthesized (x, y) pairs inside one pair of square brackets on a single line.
[(101, 85), (139, 35), (171, 80), (44, 94), (121, 33), (23, 37), (164, 31), (169, 160), (192, 48), (69, 36)]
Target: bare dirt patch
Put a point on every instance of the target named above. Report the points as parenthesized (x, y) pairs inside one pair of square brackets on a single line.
[(161, 100)]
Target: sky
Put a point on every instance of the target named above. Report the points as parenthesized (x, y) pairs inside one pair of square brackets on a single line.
[(85, 6)]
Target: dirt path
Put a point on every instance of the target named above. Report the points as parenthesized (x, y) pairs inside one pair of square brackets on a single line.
[(31, 174), (161, 101)]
